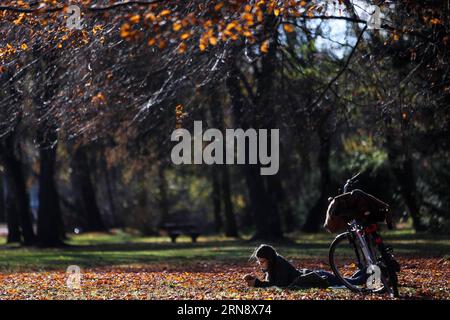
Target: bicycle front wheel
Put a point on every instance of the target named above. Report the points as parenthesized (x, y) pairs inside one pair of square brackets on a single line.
[(346, 261)]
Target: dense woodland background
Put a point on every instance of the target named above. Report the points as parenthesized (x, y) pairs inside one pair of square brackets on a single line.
[(86, 115)]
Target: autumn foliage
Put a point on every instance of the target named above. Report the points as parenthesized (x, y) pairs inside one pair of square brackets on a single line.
[(420, 279)]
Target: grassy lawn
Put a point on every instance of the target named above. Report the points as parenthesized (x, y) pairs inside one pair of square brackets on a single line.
[(104, 258), (120, 248)]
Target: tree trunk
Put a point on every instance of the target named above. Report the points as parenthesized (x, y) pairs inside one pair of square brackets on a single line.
[(402, 168), (50, 228), (162, 198), (223, 189), (401, 164), (265, 209), (49, 212), (17, 192), (265, 218), (265, 187), (84, 191), (286, 213), (317, 213), (216, 199), (110, 186), (230, 218), (2, 199), (12, 216)]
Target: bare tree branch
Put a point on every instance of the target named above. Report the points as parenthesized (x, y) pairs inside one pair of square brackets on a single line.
[(341, 71)]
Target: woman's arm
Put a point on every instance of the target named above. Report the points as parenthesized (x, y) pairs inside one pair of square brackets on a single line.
[(262, 284)]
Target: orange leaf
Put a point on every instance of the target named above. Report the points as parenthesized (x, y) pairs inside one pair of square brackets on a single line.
[(182, 48), (213, 41), (185, 36), (289, 28), (265, 46), (177, 26), (164, 13), (135, 19), (218, 6)]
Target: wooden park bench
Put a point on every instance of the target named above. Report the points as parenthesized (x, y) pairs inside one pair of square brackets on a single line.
[(174, 230)]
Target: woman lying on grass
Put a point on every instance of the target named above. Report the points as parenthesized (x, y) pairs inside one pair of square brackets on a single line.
[(281, 273)]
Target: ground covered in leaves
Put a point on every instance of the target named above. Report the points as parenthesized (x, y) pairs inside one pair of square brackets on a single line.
[(139, 268)]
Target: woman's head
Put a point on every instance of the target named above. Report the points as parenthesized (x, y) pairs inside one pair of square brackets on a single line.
[(265, 255)]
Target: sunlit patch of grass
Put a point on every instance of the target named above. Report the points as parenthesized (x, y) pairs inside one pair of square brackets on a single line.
[(120, 248)]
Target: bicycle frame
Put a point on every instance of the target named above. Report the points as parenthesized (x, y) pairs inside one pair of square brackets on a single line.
[(358, 232), (366, 237)]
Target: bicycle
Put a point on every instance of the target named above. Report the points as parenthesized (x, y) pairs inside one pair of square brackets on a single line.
[(361, 251)]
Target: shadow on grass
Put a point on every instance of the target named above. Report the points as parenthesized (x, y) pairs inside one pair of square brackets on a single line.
[(132, 253), (16, 259)]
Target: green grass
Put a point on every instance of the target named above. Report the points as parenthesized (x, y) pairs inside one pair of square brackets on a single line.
[(119, 248)]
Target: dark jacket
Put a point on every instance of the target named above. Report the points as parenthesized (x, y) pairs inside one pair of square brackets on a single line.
[(285, 274), (355, 205)]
